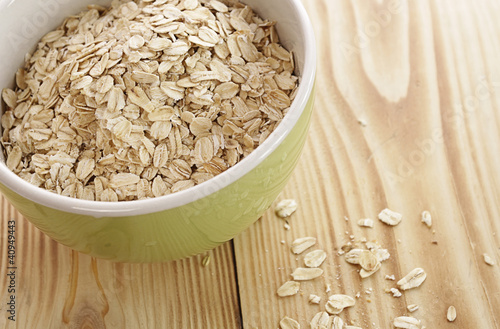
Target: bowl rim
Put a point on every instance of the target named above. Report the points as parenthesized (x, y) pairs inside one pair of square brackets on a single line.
[(146, 206)]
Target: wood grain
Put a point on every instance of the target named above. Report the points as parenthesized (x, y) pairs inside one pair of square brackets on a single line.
[(60, 288), (424, 77)]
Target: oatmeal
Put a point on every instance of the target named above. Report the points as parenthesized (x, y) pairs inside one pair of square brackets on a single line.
[(145, 98)]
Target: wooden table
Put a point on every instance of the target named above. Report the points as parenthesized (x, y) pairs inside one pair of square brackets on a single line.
[(407, 117)]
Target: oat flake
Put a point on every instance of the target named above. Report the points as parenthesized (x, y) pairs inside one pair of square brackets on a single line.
[(390, 217), (413, 279), (289, 323), (304, 274), (289, 288), (426, 218), (314, 299), (314, 258), (286, 208), (412, 308), (488, 260), (301, 244), (337, 303), (406, 322), (451, 314)]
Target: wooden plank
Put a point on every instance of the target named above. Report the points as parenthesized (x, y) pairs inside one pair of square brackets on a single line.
[(424, 77), (430, 143), (60, 288)]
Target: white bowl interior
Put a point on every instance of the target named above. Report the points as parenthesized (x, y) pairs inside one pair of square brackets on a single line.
[(24, 22)]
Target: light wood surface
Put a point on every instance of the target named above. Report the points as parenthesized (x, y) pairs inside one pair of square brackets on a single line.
[(425, 80)]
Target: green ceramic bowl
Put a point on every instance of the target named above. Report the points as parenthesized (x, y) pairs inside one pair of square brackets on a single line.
[(184, 223)]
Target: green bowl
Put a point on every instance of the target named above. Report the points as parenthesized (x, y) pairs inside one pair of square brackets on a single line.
[(180, 224)]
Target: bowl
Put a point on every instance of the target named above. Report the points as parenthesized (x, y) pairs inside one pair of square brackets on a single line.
[(183, 223)]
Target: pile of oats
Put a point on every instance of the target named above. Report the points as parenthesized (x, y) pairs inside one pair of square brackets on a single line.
[(369, 259), (146, 98)]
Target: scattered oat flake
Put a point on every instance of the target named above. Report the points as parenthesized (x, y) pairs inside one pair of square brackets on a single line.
[(364, 273), (287, 226), (289, 323), (337, 303), (304, 274), (336, 323), (413, 279), (382, 254), (320, 320), (390, 217), (488, 260), (289, 288), (351, 327), (451, 314), (353, 256), (395, 292), (390, 277), (426, 218), (406, 322), (412, 308), (301, 244), (328, 287), (366, 222), (371, 245), (368, 261), (346, 247), (286, 208), (205, 261), (314, 299), (314, 258)]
